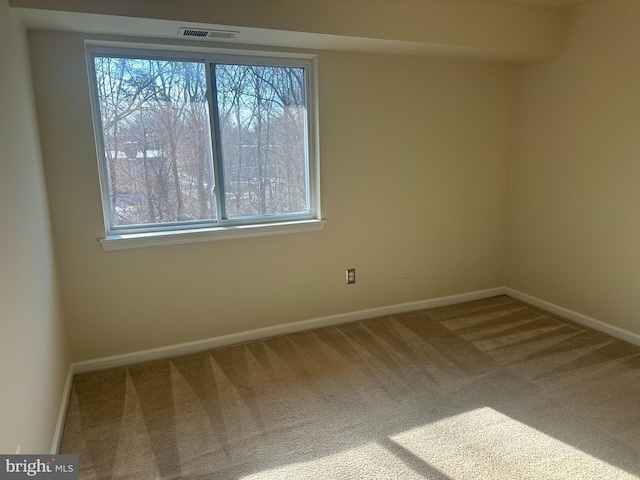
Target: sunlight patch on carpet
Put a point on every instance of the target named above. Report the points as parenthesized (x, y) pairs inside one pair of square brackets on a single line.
[(484, 443)]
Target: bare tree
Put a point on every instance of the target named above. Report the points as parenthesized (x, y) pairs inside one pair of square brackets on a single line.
[(157, 137)]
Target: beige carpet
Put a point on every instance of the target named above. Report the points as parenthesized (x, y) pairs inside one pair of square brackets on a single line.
[(490, 389)]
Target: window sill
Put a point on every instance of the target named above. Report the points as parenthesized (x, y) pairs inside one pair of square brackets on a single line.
[(176, 237)]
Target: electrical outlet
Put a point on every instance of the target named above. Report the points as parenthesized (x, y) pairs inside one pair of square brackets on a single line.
[(351, 276)]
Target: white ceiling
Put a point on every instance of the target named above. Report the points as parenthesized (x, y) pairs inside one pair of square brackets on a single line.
[(156, 28), (457, 42)]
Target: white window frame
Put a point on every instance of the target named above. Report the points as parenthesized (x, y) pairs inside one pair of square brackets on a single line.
[(126, 237)]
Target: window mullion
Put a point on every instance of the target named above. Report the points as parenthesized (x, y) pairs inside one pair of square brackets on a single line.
[(216, 138)]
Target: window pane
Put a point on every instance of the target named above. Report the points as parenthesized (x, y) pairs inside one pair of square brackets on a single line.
[(157, 140), (262, 114)]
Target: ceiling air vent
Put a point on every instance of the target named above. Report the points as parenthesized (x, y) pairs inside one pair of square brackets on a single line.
[(206, 33)]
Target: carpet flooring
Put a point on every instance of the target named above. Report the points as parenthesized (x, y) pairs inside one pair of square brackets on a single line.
[(488, 389)]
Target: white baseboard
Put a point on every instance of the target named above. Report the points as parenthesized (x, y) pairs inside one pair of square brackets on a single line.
[(590, 322), (273, 331), (287, 328), (62, 412), (284, 329), (235, 338)]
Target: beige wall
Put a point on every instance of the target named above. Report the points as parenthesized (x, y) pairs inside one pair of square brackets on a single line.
[(33, 351), (574, 231), (414, 164), (415, 157)]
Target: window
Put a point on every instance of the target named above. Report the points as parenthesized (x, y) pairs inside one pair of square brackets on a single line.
[(203, 145)]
